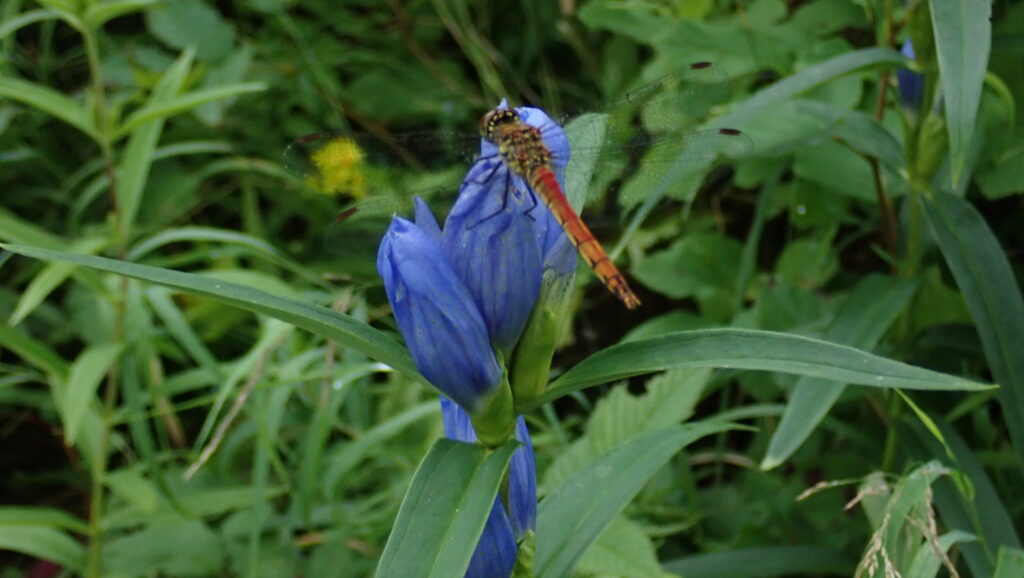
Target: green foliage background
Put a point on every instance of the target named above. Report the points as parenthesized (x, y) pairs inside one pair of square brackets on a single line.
[(150, 430)]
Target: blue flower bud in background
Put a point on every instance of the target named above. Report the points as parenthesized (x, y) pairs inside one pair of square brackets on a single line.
[(911, 83), (495, 554), (437, 315)]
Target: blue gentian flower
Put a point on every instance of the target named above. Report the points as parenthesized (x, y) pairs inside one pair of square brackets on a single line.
[(465, 293), (442, 325), (495, 554), (911, 83)]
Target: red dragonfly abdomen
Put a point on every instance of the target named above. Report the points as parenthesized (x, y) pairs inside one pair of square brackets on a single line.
[(546, 185)]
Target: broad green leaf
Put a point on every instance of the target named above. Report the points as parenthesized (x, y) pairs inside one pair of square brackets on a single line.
[(768, 562), (313, 318), (96, 15), (623, 549), (158, 547), (864, 317), (985, 278), (183, 103), (750, 349), (963, 38), (80, 393), (572, 517), (44, 543), (807, 79), (49, 101), (138, 152), (192, 25), (51, 277), (444, 510), (1010, 564)]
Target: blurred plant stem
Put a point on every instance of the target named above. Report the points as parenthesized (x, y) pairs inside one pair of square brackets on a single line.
[(94, 563)]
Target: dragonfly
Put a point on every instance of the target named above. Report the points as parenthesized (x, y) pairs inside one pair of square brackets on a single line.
[(638, 135)]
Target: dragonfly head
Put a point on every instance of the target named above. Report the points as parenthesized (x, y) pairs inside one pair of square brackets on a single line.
[(492, 120)]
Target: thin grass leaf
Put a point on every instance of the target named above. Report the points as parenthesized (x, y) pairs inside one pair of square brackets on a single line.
[(809, 78), (49, 101), (444, 511), (34, 352), (162, 109), (313, 318), (43, 543), (750, 349), (15, 23), (138, 153), (39, 516), (96, 15), (86, 374), (927, 561), (765, 562), (1011, 563), (984, 276), (963, 38), (51, 277)]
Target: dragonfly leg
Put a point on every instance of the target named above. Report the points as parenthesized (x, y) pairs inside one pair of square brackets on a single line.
[(507, 190)]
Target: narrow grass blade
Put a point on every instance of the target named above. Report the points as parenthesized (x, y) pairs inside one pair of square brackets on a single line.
[(313, 318), (574, 515), (1011, 563), (963, 38), (807, 79), (984, 276), (764, 563), (49, 101), (80, 393), (44, 543), (750, 349), (444, 511)]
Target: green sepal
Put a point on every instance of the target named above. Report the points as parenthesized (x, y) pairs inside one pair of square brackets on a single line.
[(525, 555), (494, 419), (532, 362)]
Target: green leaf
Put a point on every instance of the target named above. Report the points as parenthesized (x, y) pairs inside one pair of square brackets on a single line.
[(49, 101), (32, 351), (1010, 564), (80, 393), (750, 349), (138, 153), (807, 79), (38, 516), (44, 543), (764, 563), (185, 102), (858, 130), (864, 317), (51, 277), (963, 38), (15, 23), (96, 15), (987, 282), (157, 549), (927, 561), (571, 518), (982, 512), (315, 319), (444, 510), (192, 25)]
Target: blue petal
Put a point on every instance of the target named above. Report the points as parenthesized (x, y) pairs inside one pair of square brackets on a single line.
[(436, 314), (911, 83), (522, 484), (495, 554), (490, 240)]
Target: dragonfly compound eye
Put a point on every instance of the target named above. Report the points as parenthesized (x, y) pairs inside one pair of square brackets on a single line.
[(495, 118)]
